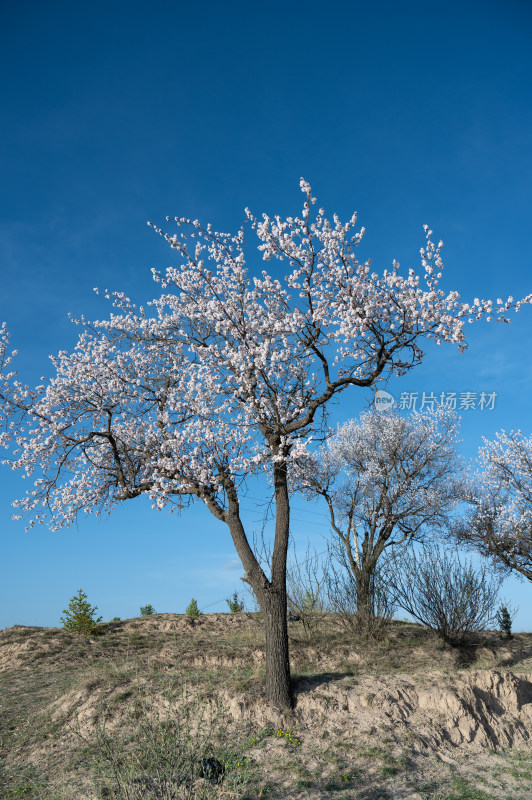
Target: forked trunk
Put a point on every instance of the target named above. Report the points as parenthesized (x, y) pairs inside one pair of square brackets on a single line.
[(271, 594)]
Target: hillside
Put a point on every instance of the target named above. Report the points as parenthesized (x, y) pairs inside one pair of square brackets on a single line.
[(404, 718)]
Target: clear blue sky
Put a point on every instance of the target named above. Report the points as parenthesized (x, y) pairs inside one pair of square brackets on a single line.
[(118, 113)]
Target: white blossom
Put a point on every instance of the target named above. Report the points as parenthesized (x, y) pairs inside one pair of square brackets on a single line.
[(227, 373)]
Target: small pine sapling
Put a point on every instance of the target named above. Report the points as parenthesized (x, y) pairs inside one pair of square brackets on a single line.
[(192, 609), (235, 605), (309, 603), (79, 617), (147, 611), (504, 620)]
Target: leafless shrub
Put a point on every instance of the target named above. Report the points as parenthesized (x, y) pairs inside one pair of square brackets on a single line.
[(306, 587), (451, 598)]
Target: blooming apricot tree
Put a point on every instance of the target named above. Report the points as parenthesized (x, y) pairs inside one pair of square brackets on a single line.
[(228, 377), (499, 522), (387, 480)]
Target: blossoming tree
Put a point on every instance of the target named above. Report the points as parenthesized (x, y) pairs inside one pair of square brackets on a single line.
[(499, 522), (229, 377), (387, 479)]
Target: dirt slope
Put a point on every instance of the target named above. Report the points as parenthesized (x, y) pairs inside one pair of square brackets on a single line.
[(394, 720)]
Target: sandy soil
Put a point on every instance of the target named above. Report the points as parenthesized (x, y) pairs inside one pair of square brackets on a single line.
[(435, 732)]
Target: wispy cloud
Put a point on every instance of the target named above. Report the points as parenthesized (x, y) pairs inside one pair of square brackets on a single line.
[(233, 565)]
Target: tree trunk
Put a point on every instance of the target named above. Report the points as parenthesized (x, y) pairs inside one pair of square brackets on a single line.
[(363, 585), (278, 689), (273, 601)]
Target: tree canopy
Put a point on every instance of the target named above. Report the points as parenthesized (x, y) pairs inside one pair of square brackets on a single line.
[(229, 372), (499, 521)]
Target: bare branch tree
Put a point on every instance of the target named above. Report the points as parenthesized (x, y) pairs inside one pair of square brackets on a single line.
[(307, 590)]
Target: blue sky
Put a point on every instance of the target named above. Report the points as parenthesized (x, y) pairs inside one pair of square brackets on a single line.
[(115, 114)]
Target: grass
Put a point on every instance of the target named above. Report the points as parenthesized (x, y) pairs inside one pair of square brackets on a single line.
[(461, 790), (166, 753), (130, 713)]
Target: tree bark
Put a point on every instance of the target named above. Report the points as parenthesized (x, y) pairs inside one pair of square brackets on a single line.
[(278, 689), (363, 587), (273, 601)]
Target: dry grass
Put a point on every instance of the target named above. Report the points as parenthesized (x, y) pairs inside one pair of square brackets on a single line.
[(405, 717)]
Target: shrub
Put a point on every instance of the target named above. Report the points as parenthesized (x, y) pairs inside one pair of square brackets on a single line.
[(147, 611), (305, 592), (115, 619), (79, 615), (192, 609), (450, 598), (235, 605)]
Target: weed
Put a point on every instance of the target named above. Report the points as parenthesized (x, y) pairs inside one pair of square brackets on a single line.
[(163, 754), (461, 790), (123, 696), (258, 739), (376, 752), (288, 735), (352, 775)]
